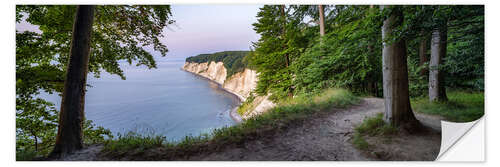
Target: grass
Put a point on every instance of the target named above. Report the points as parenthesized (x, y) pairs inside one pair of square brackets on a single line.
[(25, 155), (372, 126), (134, 141), (462, 106), (376, 126), (286, 113), (360, 142)]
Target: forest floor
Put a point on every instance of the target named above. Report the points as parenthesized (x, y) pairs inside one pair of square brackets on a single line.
[(323, 136)]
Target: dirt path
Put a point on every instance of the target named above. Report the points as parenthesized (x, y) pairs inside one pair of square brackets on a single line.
[(324, 136), (327, 137), (89, 153)]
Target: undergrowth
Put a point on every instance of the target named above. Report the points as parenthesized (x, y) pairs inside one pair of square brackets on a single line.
[(247, 105), (461, 106), (372, 126)]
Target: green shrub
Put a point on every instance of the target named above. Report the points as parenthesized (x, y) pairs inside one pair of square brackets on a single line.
[(372, 126), (25, 155), (375, 126), (132, 141), (360, 142), (247, 105)]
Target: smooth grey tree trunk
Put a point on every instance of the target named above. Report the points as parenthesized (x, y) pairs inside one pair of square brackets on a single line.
[(321, 20), (70, 132), (395, 77), (437, 90)]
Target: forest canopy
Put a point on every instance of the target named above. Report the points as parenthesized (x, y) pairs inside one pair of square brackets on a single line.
[(292, 57)]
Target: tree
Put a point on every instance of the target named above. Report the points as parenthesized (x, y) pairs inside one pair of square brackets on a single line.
[(398, 111), (321, 20), (281, 42), (119, 33), (70, 133), (437, 90), (283, 33), (422, 53), (464, 61), (347, 56)]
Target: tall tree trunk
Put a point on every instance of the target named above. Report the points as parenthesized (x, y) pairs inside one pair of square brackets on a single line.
[(36, 143), (395, 77), (321, 20), (282, 9), (373, 80), (422, 52), (287, 58), (70, 132), (437, 90)]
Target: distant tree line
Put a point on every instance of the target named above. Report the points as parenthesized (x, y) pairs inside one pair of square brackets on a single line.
[(234, 61)]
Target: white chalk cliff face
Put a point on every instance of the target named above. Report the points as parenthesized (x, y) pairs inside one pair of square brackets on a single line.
[(215, 71), (241, 84)]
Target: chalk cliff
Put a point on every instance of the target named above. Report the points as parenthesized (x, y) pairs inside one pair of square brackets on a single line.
[(241, 84)]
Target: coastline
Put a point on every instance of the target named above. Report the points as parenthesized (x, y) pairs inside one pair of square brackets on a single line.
[(234, 112)]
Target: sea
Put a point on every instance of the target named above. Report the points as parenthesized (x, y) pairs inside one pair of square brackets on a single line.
[(165, 101)]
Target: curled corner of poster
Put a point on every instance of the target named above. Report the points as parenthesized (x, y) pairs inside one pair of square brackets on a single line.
[(462, 142)]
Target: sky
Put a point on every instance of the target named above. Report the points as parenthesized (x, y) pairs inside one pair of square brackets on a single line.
[(202, 29), (210, 28)]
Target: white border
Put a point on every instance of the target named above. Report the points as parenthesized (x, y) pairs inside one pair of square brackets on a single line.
[(7, 89)]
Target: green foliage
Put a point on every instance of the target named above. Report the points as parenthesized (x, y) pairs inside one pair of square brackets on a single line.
[(93, 134), (461, 106), (418, 84), (36, 124), (372, 126), (35, 136), (247, 105), (283, 35), (234, 61), (463, 65), (25, 155), (119, 33), (375, 126), (348, 56), (131, 141), (293, 110), (360, 142), (464, 62)]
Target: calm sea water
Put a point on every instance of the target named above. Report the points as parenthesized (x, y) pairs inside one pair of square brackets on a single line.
[(164, 101)]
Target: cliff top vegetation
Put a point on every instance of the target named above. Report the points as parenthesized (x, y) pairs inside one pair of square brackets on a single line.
[(234, 61)]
